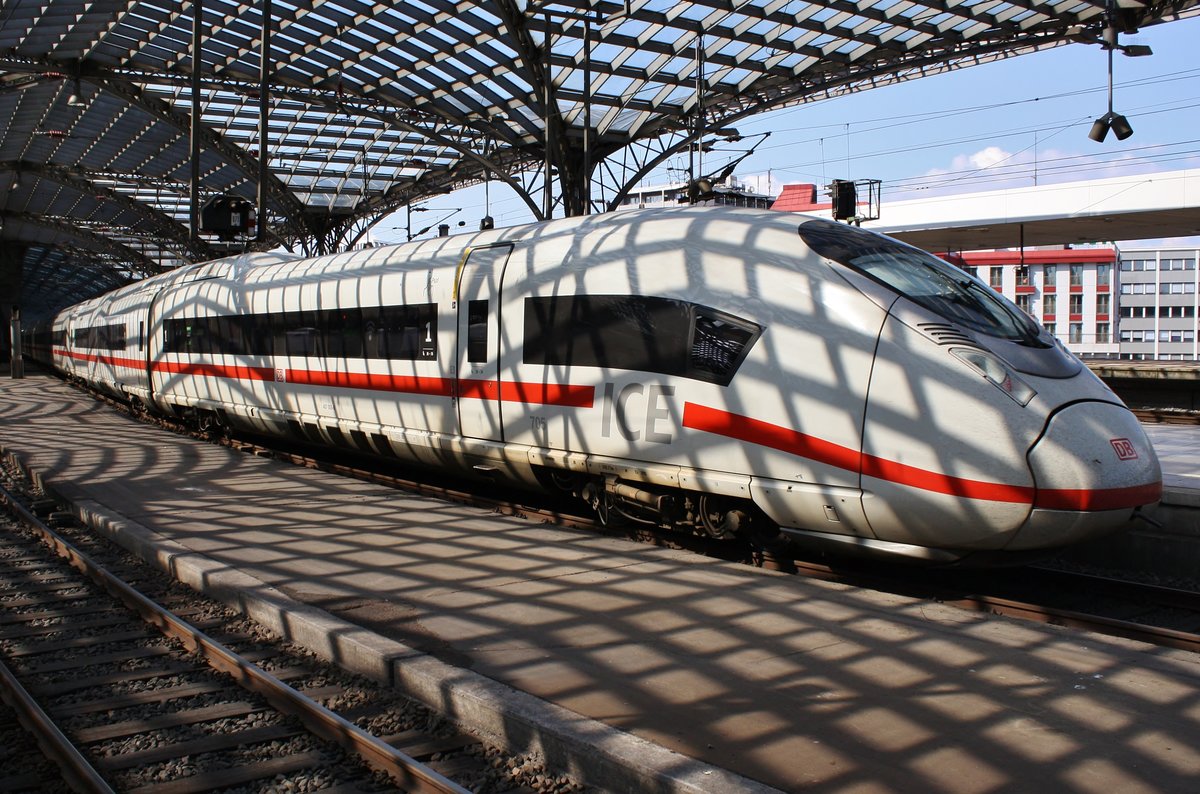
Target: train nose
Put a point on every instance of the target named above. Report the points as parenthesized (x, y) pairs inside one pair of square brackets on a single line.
[(1091, 468)]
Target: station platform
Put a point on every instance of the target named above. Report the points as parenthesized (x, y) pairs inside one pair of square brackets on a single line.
[(790, 683), (1178, 449)]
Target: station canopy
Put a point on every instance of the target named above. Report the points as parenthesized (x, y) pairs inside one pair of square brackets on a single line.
[(371, 106)]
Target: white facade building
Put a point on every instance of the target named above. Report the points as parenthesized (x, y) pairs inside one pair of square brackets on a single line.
[(1159, 304)]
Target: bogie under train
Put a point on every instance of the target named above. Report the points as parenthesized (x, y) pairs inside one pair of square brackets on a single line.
[(726, 370)]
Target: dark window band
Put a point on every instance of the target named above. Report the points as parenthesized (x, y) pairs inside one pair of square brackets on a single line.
[(100, 337), (634, 332), (378, 332)]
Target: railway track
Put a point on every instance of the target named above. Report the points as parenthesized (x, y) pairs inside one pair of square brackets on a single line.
[(1157, 614), (128, 696)]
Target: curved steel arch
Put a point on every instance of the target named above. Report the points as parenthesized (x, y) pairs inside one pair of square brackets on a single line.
[(176, 235), (525, 94), (99, 242)]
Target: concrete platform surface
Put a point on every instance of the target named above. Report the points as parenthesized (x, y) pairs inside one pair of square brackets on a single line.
[(798, 684), (1178, 448)]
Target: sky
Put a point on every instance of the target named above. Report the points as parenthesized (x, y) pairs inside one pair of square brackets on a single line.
[(1017, 122)]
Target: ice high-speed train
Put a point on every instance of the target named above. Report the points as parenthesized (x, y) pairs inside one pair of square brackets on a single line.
[(720, 369)]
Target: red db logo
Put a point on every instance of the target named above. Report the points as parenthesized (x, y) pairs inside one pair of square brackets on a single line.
[(1124, 448)]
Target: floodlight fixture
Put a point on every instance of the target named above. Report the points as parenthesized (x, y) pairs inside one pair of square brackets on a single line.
[(1120, 126), (76, 98), (1110, 121)]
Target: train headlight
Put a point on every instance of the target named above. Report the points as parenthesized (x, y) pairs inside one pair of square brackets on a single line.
[(996, 372)]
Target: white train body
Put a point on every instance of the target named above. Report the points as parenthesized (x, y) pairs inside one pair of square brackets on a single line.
[(849, 387)]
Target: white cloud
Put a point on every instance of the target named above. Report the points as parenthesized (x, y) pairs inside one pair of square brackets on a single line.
[(984, 158)]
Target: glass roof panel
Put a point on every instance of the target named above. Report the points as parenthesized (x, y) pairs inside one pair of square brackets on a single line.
[(431, 81)]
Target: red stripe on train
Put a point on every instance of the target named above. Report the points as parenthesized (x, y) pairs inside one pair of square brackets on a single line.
[(127, 363), (1108, 499), (568, 395), (743, 428)]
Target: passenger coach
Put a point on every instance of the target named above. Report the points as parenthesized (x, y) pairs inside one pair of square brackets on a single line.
[(715, 369)]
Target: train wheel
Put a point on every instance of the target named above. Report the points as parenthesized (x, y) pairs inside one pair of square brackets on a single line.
[(721, 517), (210, 425)]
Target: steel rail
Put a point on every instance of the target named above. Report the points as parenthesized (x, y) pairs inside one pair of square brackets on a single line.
[(1027, 610), (321, 721), (1167, 638), (80, 775)]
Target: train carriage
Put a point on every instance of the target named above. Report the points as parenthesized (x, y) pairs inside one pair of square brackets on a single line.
[(712, 368)]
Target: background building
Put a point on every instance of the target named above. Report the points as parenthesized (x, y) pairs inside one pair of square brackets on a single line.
[(1158, 304), (731, 193), (1068, 290)]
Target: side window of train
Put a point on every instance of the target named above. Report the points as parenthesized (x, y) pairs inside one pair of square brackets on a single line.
[(174, 336), (636, 332), (370, 332), (303, 334), (117, 339), (280, 324), (259, 336), (477, 331), (719, 343), (344, 333), (199, 341), (101, 337), (408, 332)]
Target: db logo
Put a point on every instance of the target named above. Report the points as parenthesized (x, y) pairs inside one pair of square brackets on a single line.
[(1124, 448)]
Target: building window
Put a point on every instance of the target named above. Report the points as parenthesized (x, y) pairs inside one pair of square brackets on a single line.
[(996, 277), (1076, 304), (1050, 305), (1076, 333), (1049, 275), (1023, 303), (1177, 288), (1076, 275), (1174, 311), (1050, 328), (1102, 304), (1103, 275), (1102, 333), (1178, 264), (971, 271), (1138, 265), (1022, 276)]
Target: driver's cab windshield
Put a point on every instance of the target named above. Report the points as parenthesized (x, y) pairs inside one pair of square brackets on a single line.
[(923, 278)]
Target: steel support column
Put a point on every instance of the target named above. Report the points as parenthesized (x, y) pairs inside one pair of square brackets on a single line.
[(264, 113), (197, 62)]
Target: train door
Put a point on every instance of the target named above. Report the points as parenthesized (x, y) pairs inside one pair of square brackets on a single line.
[(477, 385)]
